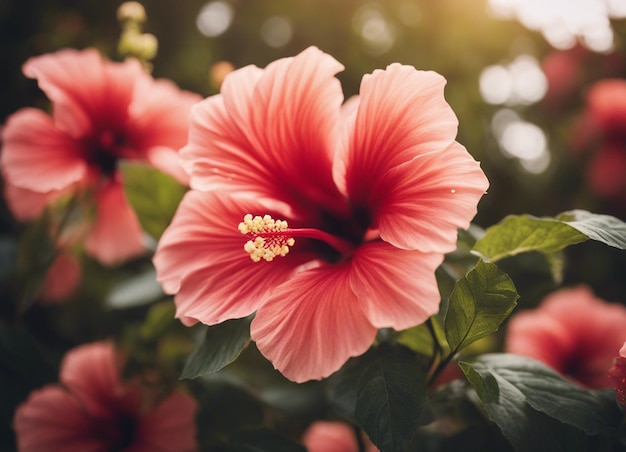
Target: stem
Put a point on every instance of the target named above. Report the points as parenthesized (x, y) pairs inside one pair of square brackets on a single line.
[(339, 244)]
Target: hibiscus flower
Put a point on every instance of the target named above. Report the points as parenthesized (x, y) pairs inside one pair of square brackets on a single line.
[(572, 331), (103, 112), (327, 436), (347, 211), (617, 374), (93, 409), (602, 129)]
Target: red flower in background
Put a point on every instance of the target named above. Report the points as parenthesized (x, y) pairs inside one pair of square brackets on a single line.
[(326, 436), (573, 332), (617, 374), (102, 112), (602, 129), (373, 193), (94, 410)]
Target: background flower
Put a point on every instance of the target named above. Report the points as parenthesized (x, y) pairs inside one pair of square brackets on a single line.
[(617, 374), (573, 332), (326, 436), (93, 409), (103, 112)]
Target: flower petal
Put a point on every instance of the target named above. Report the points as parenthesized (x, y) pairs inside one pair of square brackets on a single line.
[(201, 259), (402, 114), (62, 278), (53, 419), (27, 205), (312, 324), (276, 139), (420, 205), (170, 426), (116, 234), (84, 88), (38, 156), (396, 288), (90, 372)]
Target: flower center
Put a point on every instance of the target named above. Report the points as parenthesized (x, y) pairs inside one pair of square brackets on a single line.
[(270, 238)]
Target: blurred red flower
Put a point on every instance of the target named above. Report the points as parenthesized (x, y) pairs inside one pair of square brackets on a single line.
[(92, 409), (572, 331), (327, 436), (102, 112), (373, 193), (601, 130), (617, 374)]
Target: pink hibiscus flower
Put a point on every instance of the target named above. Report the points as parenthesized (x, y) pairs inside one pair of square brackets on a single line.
[(603, 124), (366, 199), (573, 332), (93, 410), (617, 374), (326, 436), (102, 112)]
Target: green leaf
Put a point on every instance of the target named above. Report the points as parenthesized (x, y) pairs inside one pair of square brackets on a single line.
[(419, 338), (391, 393), (220, 346), (602, 228), (153, 195), (517, 234), (478, 305), (158, 319), (523, 397)]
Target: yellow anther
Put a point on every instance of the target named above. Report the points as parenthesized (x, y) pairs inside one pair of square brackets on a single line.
[(268, 237)]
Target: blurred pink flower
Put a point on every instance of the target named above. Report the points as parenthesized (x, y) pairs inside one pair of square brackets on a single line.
[(62, 278), (573, 332), (102, 112), (373, 194), (326, 436), (602, 130), (93, 410), (617, 374)]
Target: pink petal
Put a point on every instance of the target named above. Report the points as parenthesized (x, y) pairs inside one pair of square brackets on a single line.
[(170, 426), (421, 204), (200, 257), (116, 234), (85, 89), (37, 156), (62, 278), (91, 373), (270, 131), (312, 324), (27, 205), (606, 171), (324, 436), (402, 114), (159, 123), (53, 419), (168, 161), (396, 288)]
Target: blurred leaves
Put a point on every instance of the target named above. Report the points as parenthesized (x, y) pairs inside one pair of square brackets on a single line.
[(153, 195)]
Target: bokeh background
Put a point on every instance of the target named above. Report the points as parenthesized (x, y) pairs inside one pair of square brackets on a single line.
[(518, 74)]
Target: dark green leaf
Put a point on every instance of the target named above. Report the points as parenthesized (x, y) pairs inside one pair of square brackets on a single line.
[(479, 304), (536, 408), (220, 346), (260, 440), (602, 228), (153, 195), (390, 397)]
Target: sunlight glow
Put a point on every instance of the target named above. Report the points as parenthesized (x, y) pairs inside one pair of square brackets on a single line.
[(562, 22), (378, 33), (277, 31), (214, 18), (520, 83), (521, 140)]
